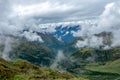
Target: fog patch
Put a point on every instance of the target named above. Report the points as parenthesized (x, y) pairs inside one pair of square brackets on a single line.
[(60, 56), (6, 44)]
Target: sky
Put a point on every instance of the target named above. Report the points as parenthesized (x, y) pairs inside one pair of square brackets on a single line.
[(19, 15), (47, 11), (24, 18)]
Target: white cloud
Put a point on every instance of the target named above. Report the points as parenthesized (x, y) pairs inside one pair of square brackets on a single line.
[(81, 44), (41, 9), (31, 36), (58, 10), (108, 22), (94, 42), (19, 15), (7, 42), (32, 13)]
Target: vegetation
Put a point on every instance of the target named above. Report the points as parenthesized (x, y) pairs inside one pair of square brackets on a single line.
[(97, 55), (83, 64), (23, 70), (94, 64), (110, 67), (34, 53)]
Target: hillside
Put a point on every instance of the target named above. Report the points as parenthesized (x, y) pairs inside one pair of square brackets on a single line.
[(23, 70), (88, 63), (33, 52), (110, 67), (96, 55), (93, 64)]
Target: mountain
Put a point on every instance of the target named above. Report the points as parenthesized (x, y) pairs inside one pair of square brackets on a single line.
[(54, 46), (51, 41), (33, 52), (64, 33), (93, 64), (57, 36), (90, 55)]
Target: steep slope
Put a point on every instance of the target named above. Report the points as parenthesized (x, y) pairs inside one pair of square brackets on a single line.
[(34, 52), (23, 70), (64, 32), (51, 41), (97, 55)]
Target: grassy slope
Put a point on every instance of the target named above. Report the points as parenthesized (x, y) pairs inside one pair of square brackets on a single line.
[(110, 71), (96, 70), (23, 70), (32, 52), (111, 67)]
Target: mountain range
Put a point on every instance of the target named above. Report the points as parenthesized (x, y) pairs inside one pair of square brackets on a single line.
[(56, 49)]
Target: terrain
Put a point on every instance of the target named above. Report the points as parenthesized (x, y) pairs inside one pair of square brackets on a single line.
[(83, 64), (56, 59)]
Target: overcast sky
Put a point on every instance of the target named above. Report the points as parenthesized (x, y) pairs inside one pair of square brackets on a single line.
[(47, 11), (19, 15)]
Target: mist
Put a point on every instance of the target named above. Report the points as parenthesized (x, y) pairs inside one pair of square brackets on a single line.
[(6, 44), (104, 32), (59, 57)]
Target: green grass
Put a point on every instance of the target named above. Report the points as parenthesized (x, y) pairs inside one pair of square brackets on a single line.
[(111, 67), (23, 70), (95, 71)]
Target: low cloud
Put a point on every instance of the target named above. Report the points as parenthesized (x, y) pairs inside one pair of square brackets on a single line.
[(18, 16), (6, 44), (60, 57), (31, 36), (107, 27)]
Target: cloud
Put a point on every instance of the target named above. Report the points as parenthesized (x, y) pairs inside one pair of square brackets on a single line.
[(32, 36), (59, 57), (4, 4), (58, 10), (42, 9), (109, 21), (108, 26), (37, 15), (6, 43), (94, 42)]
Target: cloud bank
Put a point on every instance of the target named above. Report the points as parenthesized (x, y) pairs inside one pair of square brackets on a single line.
[(25, 18), (107, 29)]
